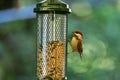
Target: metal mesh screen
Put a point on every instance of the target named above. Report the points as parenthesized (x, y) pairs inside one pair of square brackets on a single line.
[(51, 53)]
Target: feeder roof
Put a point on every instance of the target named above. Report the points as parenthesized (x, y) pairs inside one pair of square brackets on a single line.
[(52, 6)]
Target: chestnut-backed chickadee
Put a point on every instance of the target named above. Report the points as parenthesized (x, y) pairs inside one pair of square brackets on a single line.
[(76, 42)]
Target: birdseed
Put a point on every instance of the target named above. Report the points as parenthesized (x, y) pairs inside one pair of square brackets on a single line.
[(54, 61)]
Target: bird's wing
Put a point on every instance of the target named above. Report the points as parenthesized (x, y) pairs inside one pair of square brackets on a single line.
[(79, 46)]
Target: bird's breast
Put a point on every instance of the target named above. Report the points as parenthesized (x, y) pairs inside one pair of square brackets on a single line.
[(74, 43)]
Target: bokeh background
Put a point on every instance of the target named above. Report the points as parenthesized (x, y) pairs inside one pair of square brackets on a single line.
[(99, 20)]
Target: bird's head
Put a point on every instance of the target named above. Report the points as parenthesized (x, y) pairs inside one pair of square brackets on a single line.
[(78, 34)]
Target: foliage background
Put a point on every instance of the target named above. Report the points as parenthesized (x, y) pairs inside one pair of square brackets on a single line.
[(99, 20)]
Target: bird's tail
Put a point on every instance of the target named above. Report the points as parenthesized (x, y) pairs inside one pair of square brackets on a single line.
[(81, 57)]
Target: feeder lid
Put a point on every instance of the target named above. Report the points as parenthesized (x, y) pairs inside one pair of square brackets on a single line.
[(52, 6)]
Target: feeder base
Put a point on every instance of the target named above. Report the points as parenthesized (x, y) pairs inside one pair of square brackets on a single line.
[(49, 78)]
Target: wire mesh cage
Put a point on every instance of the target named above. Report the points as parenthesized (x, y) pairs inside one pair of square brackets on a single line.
[(51, 46), (51, 40)]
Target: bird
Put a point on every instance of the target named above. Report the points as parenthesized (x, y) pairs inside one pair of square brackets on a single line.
[(76, 42)]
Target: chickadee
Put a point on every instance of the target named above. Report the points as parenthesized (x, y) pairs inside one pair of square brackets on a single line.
[(76, 42)]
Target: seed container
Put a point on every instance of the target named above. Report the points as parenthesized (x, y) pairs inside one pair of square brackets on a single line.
[(52, 18)]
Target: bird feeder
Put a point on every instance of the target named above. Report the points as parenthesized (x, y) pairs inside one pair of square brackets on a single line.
[(51, 39)]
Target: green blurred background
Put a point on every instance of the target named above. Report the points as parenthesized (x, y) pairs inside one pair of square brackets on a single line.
[(99, 20)]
